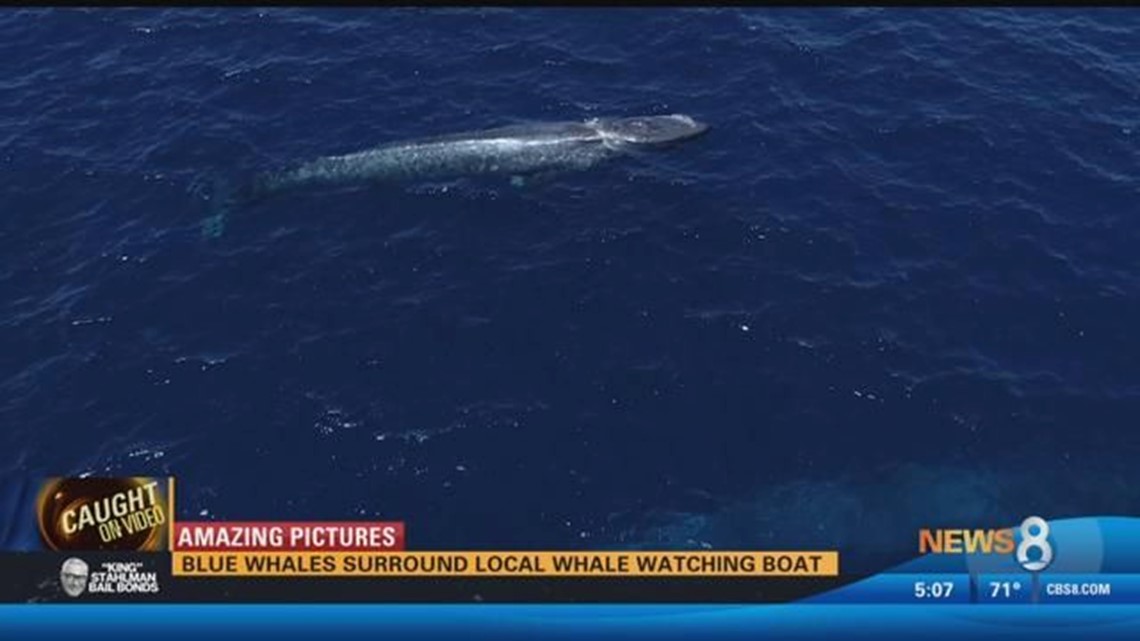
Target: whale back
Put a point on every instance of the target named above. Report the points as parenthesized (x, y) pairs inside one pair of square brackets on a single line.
[(535, 132), (649, 130)]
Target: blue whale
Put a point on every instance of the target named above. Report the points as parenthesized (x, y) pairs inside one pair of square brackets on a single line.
[(514, 150)]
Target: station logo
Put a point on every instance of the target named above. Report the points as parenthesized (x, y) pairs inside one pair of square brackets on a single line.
[(104, 514), (1029, 543)]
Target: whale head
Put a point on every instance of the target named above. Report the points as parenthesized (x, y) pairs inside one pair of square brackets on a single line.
[(648, 130)]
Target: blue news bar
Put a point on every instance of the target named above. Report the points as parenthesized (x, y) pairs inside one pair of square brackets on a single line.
[(510, 622), (1022, 588)]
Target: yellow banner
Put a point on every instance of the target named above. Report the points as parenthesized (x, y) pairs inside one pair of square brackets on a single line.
[(551, 564)]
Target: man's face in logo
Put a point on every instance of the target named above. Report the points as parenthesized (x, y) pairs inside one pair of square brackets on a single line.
[(73, 576)]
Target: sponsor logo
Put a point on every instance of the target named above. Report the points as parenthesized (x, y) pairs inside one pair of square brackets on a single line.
[(109, 577)]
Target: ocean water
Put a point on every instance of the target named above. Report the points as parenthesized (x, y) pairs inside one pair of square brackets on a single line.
[(895, 285)]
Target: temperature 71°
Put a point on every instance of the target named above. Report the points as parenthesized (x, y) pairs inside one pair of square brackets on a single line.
[(1004, 589)]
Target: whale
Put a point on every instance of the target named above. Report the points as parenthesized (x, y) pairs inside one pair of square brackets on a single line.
[(516, 150), (512, 150)]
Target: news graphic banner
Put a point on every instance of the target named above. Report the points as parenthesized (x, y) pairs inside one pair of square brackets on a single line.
[(105, 539), (116, 542)]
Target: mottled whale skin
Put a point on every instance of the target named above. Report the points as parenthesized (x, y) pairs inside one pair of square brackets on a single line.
[(516, 151), (513, 150)]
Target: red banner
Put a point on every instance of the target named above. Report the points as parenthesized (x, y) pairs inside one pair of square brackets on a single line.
[(331, 536)]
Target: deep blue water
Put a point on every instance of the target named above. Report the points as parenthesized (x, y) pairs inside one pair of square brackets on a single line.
[(894, 286)]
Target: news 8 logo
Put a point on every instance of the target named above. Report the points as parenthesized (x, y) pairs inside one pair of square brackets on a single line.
[(1035, 538)]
